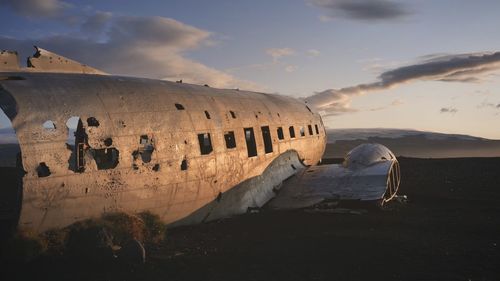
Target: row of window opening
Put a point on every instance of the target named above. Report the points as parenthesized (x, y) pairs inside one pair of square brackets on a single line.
[(205, 140)]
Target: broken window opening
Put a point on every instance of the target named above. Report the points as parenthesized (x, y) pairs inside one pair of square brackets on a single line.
[(108, 142), (49, 125), (73, 123), (230, 140), (145, 150), (292, 132), (205, 143), (78, 143), (106, 158), (179, 106), (92, 122), (232, 114), (207, 114), (184, 165), (317, 129), (156, 167), (310, 128), (266, 136), (43, 170), (281, 136), (250, 140), (302, 131)]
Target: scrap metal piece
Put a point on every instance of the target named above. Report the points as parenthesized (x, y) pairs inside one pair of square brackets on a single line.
[(370, 172)]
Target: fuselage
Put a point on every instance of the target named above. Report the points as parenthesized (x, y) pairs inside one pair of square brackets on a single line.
[(144, 145)]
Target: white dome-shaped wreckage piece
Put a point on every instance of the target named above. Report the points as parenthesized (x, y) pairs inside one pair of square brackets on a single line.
[(370, 172), (367, 154)]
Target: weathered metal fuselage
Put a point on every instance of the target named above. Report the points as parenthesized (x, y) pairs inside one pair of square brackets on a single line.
[(146, 145)]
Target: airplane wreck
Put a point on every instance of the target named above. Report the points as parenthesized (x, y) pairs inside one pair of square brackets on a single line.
[(89, 143)]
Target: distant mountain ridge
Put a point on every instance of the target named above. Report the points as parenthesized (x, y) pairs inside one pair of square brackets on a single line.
[(358, 134), (411, 143), (7, 135)]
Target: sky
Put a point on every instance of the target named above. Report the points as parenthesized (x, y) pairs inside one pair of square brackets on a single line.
[(425, 65)]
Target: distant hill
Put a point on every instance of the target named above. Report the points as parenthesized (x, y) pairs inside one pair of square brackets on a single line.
[(412, 143), (7, 135)]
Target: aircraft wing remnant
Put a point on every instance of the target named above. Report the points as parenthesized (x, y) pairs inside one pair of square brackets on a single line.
[(44, 61)]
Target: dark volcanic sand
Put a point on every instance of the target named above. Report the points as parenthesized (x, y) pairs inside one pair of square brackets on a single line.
[(449, 231)]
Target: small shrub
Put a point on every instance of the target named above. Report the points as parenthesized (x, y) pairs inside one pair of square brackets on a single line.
[(155, 229), (124, 227), (90, 240), (93, 239), (55, 240)]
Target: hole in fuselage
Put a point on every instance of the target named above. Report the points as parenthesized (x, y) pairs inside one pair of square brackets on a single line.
[(145, 150), (43, 170), (49, 125), (92, 122), (77, 142)]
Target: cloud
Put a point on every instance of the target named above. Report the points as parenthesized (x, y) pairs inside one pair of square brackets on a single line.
[(338, 103), (96, 23), (277, 53), (487, 104), (365, 10), (451, 110), (396, 102), (449, 68), (152, 47), (313, 53), (36, 8)]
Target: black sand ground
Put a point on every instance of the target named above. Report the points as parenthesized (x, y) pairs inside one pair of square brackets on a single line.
[(450, 230)]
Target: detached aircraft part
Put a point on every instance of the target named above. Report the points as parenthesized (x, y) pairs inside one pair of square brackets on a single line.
[(370, 172)]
